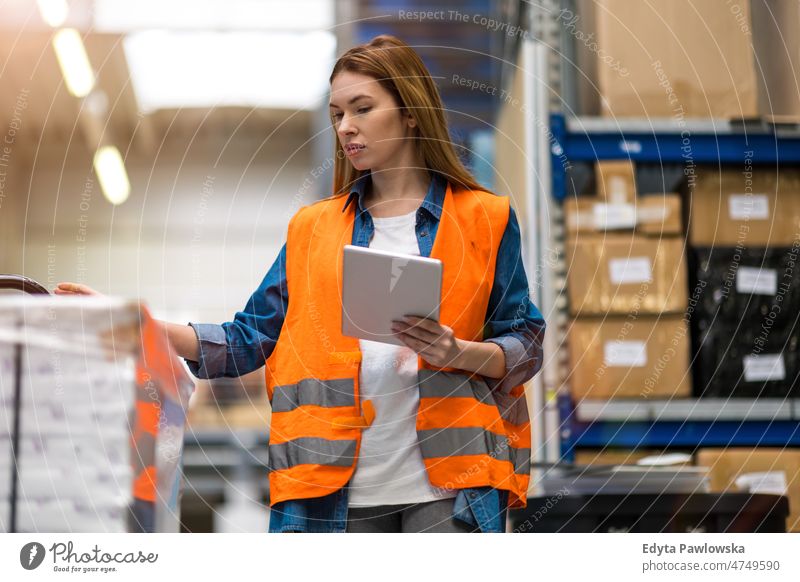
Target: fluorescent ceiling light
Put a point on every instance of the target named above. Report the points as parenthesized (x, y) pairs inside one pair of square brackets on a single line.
[(127, 15), (110, 170), (54, 12), (171, 69), (74, 62)]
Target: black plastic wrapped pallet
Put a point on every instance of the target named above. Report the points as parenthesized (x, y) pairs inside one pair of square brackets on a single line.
[(664, 513), (720, 371), (747, 304)]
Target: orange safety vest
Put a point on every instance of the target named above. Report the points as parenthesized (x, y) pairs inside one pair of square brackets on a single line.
[(469, 436)]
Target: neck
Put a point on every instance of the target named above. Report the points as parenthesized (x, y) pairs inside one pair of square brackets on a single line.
[(407, 179), (400, 184)]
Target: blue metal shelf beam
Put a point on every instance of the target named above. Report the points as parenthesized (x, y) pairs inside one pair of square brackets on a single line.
[(665, 141), (686, 434)]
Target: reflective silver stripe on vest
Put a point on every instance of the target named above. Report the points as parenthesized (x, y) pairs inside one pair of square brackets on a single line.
[(454, 442), (317, 451), (522, 460), (513, 409), (435, 384), (327, 393)]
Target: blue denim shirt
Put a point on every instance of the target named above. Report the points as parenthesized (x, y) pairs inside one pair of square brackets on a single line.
[(512, 321)]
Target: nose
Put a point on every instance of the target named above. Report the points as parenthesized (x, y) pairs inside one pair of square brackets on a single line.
[(346, 127)]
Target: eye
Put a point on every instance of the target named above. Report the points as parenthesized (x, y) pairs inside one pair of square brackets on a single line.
[(362, 110)]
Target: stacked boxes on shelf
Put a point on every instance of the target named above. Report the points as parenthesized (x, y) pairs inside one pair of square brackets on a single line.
[(696, 59), (762, 470), (745, 238), (92, 412), (627, 283)]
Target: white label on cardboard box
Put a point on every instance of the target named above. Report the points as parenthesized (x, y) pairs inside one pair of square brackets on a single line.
[(764, 367), (773, 482), (651, 214), (758, 281), (748, 207), (628, 353), (630, 270), (613, 216), (617, 189)]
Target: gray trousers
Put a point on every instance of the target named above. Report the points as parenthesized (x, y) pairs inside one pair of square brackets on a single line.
[(431, 516)]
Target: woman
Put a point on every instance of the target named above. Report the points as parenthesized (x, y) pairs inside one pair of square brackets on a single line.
[(366, 437)]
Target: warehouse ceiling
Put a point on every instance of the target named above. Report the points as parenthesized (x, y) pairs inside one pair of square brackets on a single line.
[(205, 67), (163, 67)]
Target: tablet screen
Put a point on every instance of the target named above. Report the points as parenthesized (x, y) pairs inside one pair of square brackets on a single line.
[(381, 286)]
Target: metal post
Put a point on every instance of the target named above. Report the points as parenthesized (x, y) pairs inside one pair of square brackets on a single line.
[(15, 434), (533, 190)]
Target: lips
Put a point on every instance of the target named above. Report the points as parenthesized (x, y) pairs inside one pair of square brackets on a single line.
[(352, 149)]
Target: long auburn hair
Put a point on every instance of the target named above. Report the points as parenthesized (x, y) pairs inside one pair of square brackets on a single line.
[(399, 70)]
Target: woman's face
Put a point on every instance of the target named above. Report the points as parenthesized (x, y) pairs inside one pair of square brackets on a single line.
[(370, 125)]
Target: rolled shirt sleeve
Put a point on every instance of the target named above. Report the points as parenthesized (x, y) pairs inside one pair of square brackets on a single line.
[(243, 345), (213, 350), (512, 320)]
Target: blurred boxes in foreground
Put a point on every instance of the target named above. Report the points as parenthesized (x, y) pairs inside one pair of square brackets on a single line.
[(92, 426)]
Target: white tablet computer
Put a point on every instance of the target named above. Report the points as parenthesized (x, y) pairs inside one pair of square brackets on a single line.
[(381, 286)]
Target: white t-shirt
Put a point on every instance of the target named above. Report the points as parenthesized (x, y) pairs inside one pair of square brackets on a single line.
[(390, 470)]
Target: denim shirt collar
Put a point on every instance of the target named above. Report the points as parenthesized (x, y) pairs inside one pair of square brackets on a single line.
[(433, 202)]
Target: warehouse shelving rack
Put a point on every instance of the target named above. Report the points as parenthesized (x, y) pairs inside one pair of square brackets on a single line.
[(689, 422), (685, 423)]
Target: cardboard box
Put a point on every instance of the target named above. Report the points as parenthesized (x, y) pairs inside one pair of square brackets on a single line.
[(680, 58), (757, 470), (626, 273), (657, 215), (611, 457), (758, 207), (615, 181), (624, 357), (776, 41)]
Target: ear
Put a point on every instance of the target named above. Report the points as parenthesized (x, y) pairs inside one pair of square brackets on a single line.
[(410, 119)]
